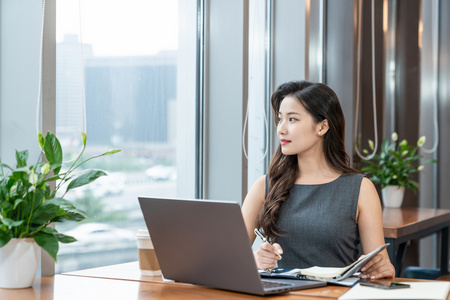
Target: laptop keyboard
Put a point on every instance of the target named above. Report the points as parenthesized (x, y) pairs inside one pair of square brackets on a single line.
[(273, 284)]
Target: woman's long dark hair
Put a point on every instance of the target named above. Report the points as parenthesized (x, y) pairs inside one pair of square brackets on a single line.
[(322, 103)]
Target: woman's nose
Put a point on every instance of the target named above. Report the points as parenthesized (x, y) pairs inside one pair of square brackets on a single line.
[(281, 128)]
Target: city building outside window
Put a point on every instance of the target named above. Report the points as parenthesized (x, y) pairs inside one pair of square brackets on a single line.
[(123, 78)]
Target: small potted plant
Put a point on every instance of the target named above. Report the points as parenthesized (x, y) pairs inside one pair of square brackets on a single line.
[(29, 204), (393, 168)]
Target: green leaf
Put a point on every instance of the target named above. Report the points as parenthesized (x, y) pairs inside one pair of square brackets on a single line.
[(21, 158), (17, 202), (52, 178), (4, 238), (19, 176), (111, 151), (83, 138), (85, 178), (11, 223), (2, 165), (5, 206), (58, 210), (66, 239), (45, 213), (53, 151), (41, 140), (60, 202), (73, 215), (47, 240)]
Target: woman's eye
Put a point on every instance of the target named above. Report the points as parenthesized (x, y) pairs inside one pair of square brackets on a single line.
[(292, 119)]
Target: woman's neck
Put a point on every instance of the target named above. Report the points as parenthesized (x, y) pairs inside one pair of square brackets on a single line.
[(315, 170)]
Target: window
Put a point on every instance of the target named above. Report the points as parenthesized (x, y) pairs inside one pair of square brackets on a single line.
[(258, 110), (138, 63)]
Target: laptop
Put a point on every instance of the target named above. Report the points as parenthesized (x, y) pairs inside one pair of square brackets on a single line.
[(205, 243)]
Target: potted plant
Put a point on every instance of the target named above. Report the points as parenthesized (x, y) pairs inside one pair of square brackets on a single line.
[(393, 168), (29, 204)]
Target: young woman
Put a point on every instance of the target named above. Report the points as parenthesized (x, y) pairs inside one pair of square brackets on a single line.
[(312, 204)]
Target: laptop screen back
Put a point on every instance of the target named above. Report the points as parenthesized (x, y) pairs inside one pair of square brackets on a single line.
[(201, 243)]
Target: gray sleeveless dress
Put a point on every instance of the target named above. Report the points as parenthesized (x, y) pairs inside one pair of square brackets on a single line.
[(319, 223)]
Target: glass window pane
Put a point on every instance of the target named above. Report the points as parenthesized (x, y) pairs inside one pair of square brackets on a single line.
[(257, 116), (135, 59)]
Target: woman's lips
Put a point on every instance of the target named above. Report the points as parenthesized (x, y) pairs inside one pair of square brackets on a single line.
[(284, 142)]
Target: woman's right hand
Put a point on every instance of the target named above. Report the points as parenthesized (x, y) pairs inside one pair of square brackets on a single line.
[(267, 255)]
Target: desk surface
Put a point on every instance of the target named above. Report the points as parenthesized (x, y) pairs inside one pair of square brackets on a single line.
[(124, 282), (399, 222), (126, 271), (130, 272), (65, 287)]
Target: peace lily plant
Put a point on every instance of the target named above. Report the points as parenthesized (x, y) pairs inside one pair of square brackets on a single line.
[(396, 163), (28, 203)]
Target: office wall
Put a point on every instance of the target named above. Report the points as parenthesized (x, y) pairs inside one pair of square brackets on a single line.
[(19, 75), (443, 173), (289, 41), (226, 77), (20, 52), (340, 54), (444, 104)]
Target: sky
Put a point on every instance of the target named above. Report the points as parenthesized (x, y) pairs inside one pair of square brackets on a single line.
[(121, 27)]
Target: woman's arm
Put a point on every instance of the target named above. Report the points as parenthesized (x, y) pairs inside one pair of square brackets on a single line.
[(370, 222), (267, 255), (253, 204)]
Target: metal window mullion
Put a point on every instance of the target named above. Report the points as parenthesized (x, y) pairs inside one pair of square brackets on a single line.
[(49, 97), (323, 40), (390, 67), (200, 177), (268, 78)]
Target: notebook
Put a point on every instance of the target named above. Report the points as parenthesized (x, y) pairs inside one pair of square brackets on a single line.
[(333, 275), (205, 243)]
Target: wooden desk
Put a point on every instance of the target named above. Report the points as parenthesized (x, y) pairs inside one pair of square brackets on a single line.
[(66, 287), (130, 272), (404, 224), (108, 283), (126, 271)]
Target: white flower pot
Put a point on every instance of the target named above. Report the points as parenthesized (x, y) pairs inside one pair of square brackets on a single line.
[(392, 196), (19, 261)]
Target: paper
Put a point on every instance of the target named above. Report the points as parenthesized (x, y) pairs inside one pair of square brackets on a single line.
[(324, 272), (432, 290)]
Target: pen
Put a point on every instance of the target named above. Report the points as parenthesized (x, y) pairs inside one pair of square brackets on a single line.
[(264, 239)]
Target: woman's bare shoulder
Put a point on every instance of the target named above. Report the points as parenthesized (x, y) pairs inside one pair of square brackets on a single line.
[(258, 190), (261, 182), (367, 186), (368, 195)]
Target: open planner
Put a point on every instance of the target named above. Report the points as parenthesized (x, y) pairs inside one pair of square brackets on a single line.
[(324, 273)]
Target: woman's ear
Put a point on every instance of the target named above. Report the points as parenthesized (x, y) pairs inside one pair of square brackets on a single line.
[(322, 127)]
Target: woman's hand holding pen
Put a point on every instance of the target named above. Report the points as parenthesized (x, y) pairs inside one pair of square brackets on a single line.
[(267, 255)]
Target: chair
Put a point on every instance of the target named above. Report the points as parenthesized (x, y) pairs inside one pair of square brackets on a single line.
[(424, 273)]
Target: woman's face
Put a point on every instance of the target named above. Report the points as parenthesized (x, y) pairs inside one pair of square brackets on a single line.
[(296, 129)]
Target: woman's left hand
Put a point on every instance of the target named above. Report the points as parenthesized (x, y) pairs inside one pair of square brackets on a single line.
[(378, 267)]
